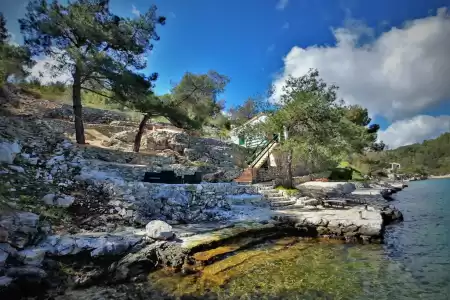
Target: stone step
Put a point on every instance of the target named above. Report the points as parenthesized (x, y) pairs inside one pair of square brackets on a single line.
[(283, 203), (280, 198), (271, 192)]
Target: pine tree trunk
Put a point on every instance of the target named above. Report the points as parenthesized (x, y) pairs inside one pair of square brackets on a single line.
[(288, 180), (138, 138), (77, 108)]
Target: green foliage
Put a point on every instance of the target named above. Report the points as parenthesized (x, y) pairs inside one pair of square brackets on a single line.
[(289, 191), (242, 113), (14, 60), (318, 130), (101, 50), (4, 35), (197, 95), (430, 157)]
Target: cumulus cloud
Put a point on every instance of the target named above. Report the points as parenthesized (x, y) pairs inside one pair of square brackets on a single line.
[(135, 11), (281, 4), (414, 130), (46, 70), (396, 74)]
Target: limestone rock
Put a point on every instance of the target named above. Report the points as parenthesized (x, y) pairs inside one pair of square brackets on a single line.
[(192, 154), (98, 244), (159, 230), (3, 258), (32, 257), (17, 169), (125, 136), (136, 263), (5, 281), (65, 201), (48, 199), (8, 151), (327, 188), (26, 271), (21, 227), (173, 197)]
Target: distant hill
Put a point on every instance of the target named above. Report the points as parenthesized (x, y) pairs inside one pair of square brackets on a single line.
[(431, 157)]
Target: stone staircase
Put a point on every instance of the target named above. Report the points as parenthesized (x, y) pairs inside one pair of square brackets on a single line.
[(275, 197)]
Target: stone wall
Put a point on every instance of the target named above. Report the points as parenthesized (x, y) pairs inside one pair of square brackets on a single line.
[(176, 203), (268, 174)]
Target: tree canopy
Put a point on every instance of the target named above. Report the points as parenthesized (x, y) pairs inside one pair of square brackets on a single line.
[(101, 50), (321, 129), (242, 113), (14, 60), (430, 157)]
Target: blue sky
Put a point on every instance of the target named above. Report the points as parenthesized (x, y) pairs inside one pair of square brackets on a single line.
[(248, 40)]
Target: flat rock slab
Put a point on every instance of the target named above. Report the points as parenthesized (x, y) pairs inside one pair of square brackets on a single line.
[(368, 191), (369, 221), (223, 234), (333, 187), (96, 243)]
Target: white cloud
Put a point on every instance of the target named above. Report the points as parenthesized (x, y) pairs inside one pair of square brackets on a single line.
[(286, 25), (397, 74), (414, 130), (45, 69), (281, 4), (135, 11)]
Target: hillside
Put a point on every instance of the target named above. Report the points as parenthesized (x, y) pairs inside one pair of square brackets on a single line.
[(430, 157)]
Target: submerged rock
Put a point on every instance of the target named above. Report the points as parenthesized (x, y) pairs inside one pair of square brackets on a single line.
[(159, 230)]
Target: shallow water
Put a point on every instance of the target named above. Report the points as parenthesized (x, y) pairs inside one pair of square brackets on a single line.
[(414, 262)]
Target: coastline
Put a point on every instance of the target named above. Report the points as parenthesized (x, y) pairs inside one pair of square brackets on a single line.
[(439, 176)]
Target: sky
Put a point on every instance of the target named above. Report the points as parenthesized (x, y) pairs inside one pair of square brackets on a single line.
[(391, 57)]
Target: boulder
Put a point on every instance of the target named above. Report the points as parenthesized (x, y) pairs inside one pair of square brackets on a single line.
[(26, 272), (5, 281), (32, 257), (159, 230), (8, 151), (192, 154), (327, 188), (65, 201), (98, 244), (173, 197), (126, 136), (49, 199), (21, 227), (17, 169)]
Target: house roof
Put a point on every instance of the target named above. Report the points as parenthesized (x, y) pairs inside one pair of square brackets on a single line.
[(253, 119)]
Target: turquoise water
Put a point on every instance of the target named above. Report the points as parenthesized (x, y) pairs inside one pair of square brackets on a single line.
[(420, 245)]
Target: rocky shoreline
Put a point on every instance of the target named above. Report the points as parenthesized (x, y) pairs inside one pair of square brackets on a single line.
[(70, 220)]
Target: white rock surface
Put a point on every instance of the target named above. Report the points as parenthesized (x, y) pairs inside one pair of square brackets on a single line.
[(49, 199), (368, 222), (18, 169), (336, 187), (8, 151), (65, 201), (5, 281), (97, 244), (246, 199), (159, 230), (32, 257)]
